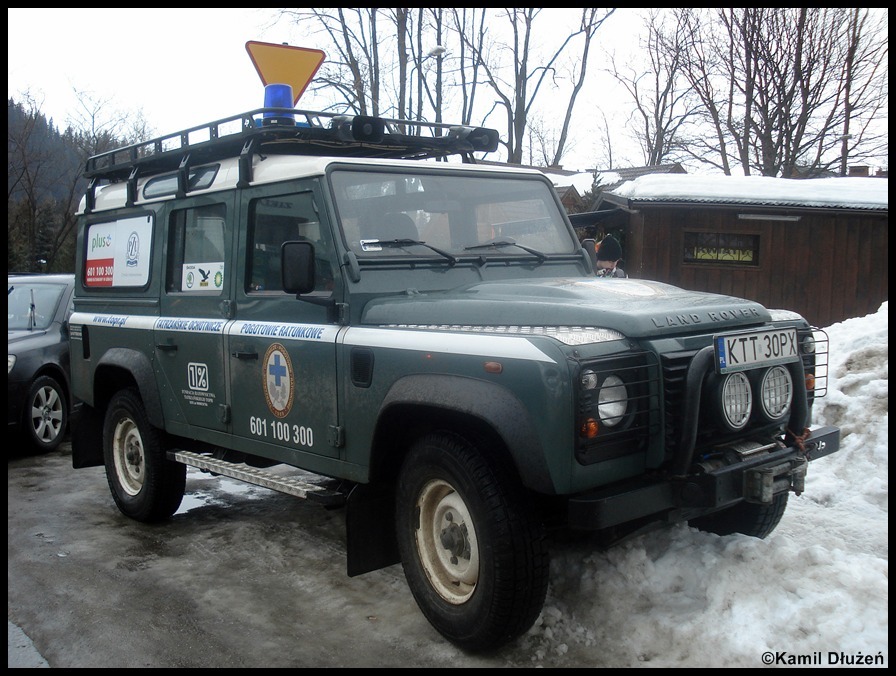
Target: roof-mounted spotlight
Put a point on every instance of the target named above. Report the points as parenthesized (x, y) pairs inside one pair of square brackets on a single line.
[(482, 139), (359, 128)]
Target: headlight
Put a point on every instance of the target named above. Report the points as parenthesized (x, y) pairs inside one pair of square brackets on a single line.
[(612, 401), (588, 379), (775, 392), (736, 400), (807, 344), (10, 362)]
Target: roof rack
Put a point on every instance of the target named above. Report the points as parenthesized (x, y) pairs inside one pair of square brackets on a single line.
[(288, 131), (281, 131)]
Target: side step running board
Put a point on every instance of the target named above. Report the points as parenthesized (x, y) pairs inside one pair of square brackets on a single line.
[(259, 477)]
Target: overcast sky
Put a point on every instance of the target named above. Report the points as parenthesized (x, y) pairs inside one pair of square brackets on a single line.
[(184, 67)]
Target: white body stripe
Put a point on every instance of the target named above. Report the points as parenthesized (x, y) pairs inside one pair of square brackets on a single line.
[(463, 343), (117, 321), (508, 347), (318, 333)]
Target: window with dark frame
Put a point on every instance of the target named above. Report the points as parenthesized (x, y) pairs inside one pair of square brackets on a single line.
[(721, 248), (196, 250)]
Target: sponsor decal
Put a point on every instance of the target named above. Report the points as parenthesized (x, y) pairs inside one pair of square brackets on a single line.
[(133, 250)]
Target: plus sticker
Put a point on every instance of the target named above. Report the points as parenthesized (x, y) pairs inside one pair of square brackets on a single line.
[(278, 380)]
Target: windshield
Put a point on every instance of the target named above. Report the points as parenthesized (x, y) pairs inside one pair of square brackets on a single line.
[(31, 306), (383, 213)]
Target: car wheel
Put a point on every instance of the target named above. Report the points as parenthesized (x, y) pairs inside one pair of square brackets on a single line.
[(747, 518), (474, 555), (46, 414), (146, 485)]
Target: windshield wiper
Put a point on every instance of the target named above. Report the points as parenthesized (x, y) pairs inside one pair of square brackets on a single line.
[(500, 243), (32, 313), (401, 243)]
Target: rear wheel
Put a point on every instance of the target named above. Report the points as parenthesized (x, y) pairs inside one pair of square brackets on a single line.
[(474, 555), (146, 485), (46, 414), (756, 520)]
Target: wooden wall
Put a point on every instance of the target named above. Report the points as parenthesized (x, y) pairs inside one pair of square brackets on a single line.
[(827, 266)]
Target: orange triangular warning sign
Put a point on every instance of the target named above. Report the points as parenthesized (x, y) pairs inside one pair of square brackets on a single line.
[(283, 64)]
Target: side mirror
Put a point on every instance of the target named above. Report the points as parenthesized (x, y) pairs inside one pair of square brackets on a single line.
[(297, 267), (589, 245)]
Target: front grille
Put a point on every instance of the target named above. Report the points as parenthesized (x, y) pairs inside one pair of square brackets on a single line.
[(675, 370), (711, 431)]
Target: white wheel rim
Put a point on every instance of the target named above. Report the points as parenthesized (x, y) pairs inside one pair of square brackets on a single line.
[(446, 542), (128, 453)]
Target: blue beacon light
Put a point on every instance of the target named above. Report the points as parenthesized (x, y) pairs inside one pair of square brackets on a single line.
[(278, 96)]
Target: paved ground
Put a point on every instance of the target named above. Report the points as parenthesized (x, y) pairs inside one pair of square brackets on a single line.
[(241, 577)]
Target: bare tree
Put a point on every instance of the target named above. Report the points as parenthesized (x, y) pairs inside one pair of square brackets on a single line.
[(778, 86), (517, 98), (865, 78), (664, 105), (590, 22), (40, 193), (45, 181), (435, 55), (470, 23), (350, 75)]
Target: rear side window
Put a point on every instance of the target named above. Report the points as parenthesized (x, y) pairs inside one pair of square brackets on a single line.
[(196, 250), (199, 179)]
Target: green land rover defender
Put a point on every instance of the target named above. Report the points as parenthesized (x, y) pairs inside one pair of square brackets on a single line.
[(421, 341)]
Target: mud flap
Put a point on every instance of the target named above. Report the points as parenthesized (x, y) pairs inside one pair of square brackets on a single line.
[(86, 431), (370, 529)]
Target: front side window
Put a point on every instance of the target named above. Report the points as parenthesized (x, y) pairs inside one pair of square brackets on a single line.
[(461, 214), (274, 220)]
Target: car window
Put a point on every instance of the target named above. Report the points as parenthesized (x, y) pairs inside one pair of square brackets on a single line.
[(30, 305)]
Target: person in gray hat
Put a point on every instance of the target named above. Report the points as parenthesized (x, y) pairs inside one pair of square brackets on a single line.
[(609, 256)]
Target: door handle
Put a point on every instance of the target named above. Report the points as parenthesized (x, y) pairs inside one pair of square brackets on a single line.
[(244, 355), (166, 347)]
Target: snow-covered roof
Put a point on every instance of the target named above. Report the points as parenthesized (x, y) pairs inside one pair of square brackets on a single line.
[(844, 193)]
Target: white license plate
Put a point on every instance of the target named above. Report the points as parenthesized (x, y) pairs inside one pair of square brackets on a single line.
[(741, 351)]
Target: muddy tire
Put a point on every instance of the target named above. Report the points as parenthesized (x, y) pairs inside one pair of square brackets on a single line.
[(146, 485), (745, 517), (474, 555)]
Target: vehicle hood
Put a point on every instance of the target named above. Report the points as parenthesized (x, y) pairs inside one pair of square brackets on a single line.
[(15, 336), (635, 308)]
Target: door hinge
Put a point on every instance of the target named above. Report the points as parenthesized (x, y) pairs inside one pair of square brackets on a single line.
[(224, 412), (336, 435)]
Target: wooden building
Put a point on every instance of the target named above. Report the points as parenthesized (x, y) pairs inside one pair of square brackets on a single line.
[(816, 246)]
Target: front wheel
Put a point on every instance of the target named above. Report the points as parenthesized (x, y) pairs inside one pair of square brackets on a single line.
[(755, 520), (474, 555), (46, 414), (146, 485)]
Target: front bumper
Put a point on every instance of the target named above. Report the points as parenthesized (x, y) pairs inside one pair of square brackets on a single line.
[(755, 474)]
